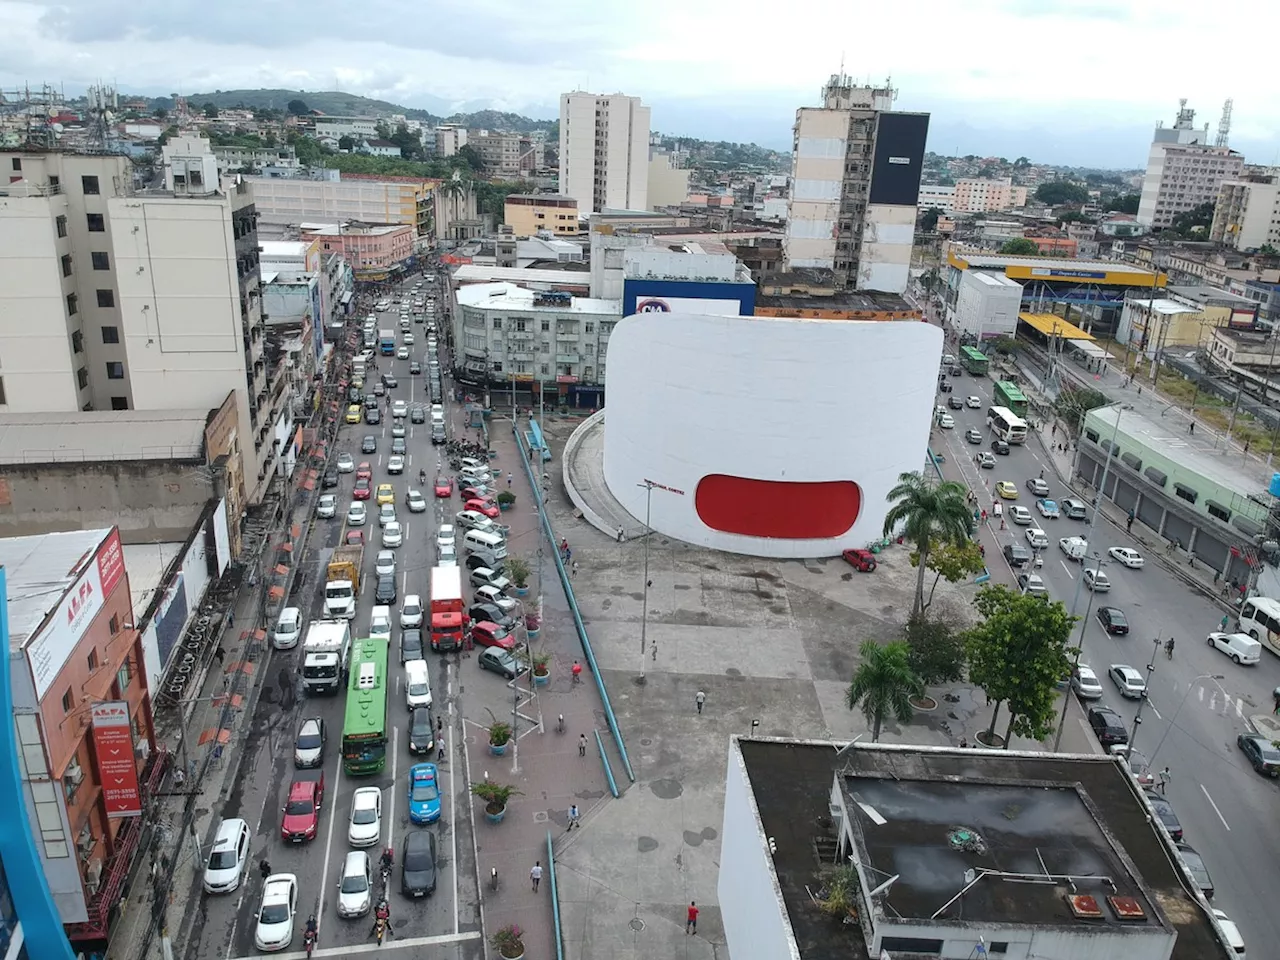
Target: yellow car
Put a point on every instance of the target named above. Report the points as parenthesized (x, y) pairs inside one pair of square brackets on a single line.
[(353, 413), (387, 493), (1007, 490)]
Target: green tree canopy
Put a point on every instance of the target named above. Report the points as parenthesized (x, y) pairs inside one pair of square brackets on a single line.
[(929, 222), (346, 143), (1193, 222), (1056, 192), (937, 651), (471, 157), (1125, 203), (926, 513), (1073, 403), (1019, 247), (1022, 162), (883, 684), (950, 560), (298, 108), (211, 111)]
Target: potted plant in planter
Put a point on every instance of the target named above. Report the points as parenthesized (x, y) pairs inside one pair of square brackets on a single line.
[(506, 500), (533, 620), (518, 571), (496, 796), (541, 668), (509, 942), (499, 737)]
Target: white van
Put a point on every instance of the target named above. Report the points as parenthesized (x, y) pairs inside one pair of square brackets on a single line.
[(490, 544), (417, 684), (1074, 547), (228, 857), (1240, 647)]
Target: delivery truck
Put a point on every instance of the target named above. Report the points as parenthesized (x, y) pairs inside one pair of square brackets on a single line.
[(325, 655), (343, 582), (446, 609)]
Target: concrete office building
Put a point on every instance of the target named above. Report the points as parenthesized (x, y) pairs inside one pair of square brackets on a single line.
[(1247, 215), (668, 184), (528, 213), (504, 154), (1184, 170), (985, 195), (450, 139), (330, 197), (115, 297), (604, 151)]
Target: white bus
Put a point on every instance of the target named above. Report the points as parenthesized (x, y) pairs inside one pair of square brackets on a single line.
[(1260, 619), (1006, 426)]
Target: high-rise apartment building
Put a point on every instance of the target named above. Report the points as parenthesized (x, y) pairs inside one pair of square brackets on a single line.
[(1184, 170), (1247, 214), (984, 195), (505, 154), (604, 151), (450, 139), (855, 182), (115, 296)]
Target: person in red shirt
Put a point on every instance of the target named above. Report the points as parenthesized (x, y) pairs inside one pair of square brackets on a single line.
[(691, 923)]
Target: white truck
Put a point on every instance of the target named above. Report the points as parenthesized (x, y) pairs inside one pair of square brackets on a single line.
[(325, 654)]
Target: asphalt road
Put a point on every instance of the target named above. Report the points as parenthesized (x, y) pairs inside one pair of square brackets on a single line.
[(1190, 721), (446, 921)]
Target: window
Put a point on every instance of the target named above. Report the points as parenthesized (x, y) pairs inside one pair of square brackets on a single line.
[(115, 370), (96, 223), (101, 261), (55, 183), (82, 378), (589, 328), (546, 326), (124, 675), (90, 186), (61, 223), (520, 325), (106, 298), (77, 341), (73, 304), (68, 701), (17, 163), (66, 264), (1185, 493), (497, 323), (1218, 511), (119, 403), (892, 945), (114, 624), (92, 660), (110, 334)]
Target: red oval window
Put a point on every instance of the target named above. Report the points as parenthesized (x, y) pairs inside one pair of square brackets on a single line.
[(780, 510)]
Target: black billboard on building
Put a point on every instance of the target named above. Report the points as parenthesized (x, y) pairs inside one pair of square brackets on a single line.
[(899, 158)]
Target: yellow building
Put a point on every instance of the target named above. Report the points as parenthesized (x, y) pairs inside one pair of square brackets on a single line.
[(1184, 317), (527, 213)]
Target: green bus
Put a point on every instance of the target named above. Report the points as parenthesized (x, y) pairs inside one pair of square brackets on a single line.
[(364, 731), (974, 360), (1007, 394)]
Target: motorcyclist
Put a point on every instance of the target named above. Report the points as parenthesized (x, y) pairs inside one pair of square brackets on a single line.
[(381, 914), (311, 929)]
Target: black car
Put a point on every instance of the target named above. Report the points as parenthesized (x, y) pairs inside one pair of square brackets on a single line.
[(371, 402), (488, 611), (385, 594), (474, 562), (410, 645), (354, 395), (955, 371), (417, 414), (415, 368), (1113, 620), (422, 731), (1000, 446), (1016, 554), (500, 661), (369, 444), (418, 863), (330, 479), (1107, 726), (1262, 753), (1165, 814), (955, 403), (1197, 869), (389, 381), (398, 446), (944, 386), (372, 415)]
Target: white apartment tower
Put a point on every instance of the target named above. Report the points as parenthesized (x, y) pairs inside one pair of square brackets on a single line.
[(604, 151), (1184, 170), (1247, 215), (115, 297)]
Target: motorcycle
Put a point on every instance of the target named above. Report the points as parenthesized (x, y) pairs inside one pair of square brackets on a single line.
[(309, 942), (380, 929)]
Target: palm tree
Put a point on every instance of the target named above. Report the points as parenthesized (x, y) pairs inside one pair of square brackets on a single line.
[(883, 684), (926, 512)]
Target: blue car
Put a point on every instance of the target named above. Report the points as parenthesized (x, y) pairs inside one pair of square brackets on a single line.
[(424, 793), (1047, 508)]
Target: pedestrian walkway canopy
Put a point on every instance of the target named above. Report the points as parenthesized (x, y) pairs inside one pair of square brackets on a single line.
[(1050, 324)]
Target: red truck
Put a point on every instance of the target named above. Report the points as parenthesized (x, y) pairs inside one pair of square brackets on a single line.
[(447, 613)]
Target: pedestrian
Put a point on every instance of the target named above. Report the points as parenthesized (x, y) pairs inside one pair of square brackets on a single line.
[(231, 618), (964, 743), (1192, 428), (691, 919), (439, 724), (984, 516), (264, 868), (582, 744), (536, 875), (700, 699), (621, 534), (220, 654), (1165, 777), (510, 477), (573, 817), (573, 571), (439, 751), (1223, 625), (568, 555)]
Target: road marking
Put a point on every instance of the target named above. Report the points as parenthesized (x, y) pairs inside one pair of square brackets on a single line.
[(389, 945), (1215, 808), (1240, 708), (456, 818), (395, 757), (1067, 569), (1153, 709), (331, 802)]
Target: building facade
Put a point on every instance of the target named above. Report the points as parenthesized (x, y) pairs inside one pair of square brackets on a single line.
[(450, 139), (604, 151), (668, 184), (1247, 215), (406, 201), (984, 196), (987, 305), (1184, 170), (373, 253), (937, 195), (527, 213), (504, 154), (357, 128)]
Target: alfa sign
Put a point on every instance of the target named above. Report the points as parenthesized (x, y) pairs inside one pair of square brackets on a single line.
[(117, 769)]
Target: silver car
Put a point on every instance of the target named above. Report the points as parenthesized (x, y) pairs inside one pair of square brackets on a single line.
[(327, 506), (386, 564), (355, 889), (1128, 681)]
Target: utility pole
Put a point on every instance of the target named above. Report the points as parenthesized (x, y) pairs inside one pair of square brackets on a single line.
[(644, 608), (1142, 701), (1084, 625)]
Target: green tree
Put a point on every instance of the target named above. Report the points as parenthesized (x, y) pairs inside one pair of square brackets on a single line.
[(1072, 404), (298, 108), (1193, 222), (1022, 162), (160, 113), (1268, 250), (211, 111), (1124, 231), (929, 222), (1057, 192), (950, 560), (937, 652), (1125, 203), (926, 513), (471, 157), (883, 684), (1075, 216), (1017, 655), (491, 197), (346, 143), (1019, 247)]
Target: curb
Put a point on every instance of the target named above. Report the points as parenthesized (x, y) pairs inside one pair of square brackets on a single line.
[(566, 458)]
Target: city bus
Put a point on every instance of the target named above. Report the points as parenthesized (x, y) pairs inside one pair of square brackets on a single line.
[(1007, 394), (1260, 619), (364, 731), (974, 360), (1006, 426)]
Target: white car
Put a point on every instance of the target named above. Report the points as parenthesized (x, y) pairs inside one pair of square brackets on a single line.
[(356, 513), (1037, 538), (973, 403), (491, 594), (946, 421), (355, 888), (393, 534), (288, 629), (416, 501), (327, 506), (276, 915), (407, 338), (385, 565), (1128, 681), (473, 520), (346, 463), (1096, 580), (1019, 515), (386, 514), (1127, 556), (446, 555), (411, 611), (1085, 682), (400, 409), (1231, 932), (395, 464), (380, 623), (228, 856), (403, 352)]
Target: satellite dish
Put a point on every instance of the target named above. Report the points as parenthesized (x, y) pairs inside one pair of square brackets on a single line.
[(57, 128), (53, 111)]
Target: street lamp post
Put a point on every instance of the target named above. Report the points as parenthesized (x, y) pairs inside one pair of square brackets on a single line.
[(644, 606), (1084, 625), (1215, 677), (1142, 701)]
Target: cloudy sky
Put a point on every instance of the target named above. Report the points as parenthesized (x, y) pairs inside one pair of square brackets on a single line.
[(1065, 81)]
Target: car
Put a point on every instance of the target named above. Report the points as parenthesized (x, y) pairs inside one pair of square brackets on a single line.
[(986, 461), (500, 660), (354, 395), (274, 930), (363, 489), (354, 538), (1165, 814), (1075, 509), (1037, 538), (1048, 508), (353, 413), (1261, 752), (402, 353), (411, 611), (1128, 681), (946, 421), (395, 464), (385, 593), (364, 828), (1000, 446), (228, 856), (473, 520), (493, 596), (389, 381), (444, 486), (1038, 487), (447, 555), (399, 431), (372, 415), (1085, 682), (1015, 554), (288, 629), (418, 863), (1195, 866), (424, 793), (1096, 580), (954, 402), (864, 561), (467, 490), (415, 501), (1230, 933), (1032, 584), (411, 645), (308, 745), (973, 403), (483, 611), (380, 622), (445, 535), (400, 409), (1113, 621), (329, 480), (356, 513), (973, 435), (386, 514), (415, 368), (488, 634), (486, 508), (364, 471), (369, 444), (407, 338), (393, 534), (386, 493), (346, 463), (1108, 726), (399, 446), (327, 506), (1127, 556), (385, 565), (301, 812), (422, 731), (1019, 515), (417, 414), (1007, 490), (355, 886)]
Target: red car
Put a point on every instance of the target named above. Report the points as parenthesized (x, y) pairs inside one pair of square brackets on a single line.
[(444, 486), (486, 507), (364, 471), (302, 810), (355, 537), (473, 491), (864, 561), (363, 490), (487, 634)]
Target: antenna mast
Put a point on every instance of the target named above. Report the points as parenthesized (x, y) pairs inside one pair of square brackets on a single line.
[(1224, 125)]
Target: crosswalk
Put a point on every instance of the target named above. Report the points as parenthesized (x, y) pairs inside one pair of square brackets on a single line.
[(1222, 703)]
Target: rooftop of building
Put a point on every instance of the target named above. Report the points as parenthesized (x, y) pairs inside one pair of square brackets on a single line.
[(559, 199), (508, 296), (997, 262), (1162, 306), (39, 570), (571, 273), (97, 435), (351, 229), (1245, 338), (871, 301), (1208, 296), (927, 815), (282, 248)]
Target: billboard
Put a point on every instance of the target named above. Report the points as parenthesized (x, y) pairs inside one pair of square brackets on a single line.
[(722, 308), (716, 298), (898, 159), (117, 769)]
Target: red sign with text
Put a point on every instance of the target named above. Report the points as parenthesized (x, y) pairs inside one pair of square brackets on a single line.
[(117, 769)]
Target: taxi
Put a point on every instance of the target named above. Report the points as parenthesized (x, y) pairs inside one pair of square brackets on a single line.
[(354, 413), (424, 793), (1007, 490), (387, 493)]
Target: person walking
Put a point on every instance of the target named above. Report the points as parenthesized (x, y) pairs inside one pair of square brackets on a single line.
[(1165, 777), (574, 820), (691, 919), (582, 744), (700, 699), (1128, 523), (573, 569), (535, 875), (264, 868), (510, 478), (1223, 624), (220, 654), (621, 535)]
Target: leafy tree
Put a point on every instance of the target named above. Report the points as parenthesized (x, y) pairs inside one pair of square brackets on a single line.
[(211, 111), (492, 197), (1125, 203), (160, 113), (1019, 247), (309, 150), (1003, 344), (471, 157), (1268, 250), (883, 684), (1194, 221), (298, 108), (1057, 192), (346, 143), (1017, 655), (410, 143), (927, 513), (929, 222), (1124, 231), (937, 652), (1022, 162), (950, 560), (1075, 216), (1072, 404)]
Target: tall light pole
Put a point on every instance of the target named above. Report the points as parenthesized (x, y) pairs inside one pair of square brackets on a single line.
[(644, 606), (1142, 701), (1084, 625), (1215, 677)]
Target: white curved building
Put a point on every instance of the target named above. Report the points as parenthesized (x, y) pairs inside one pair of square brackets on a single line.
[(766, 436)]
